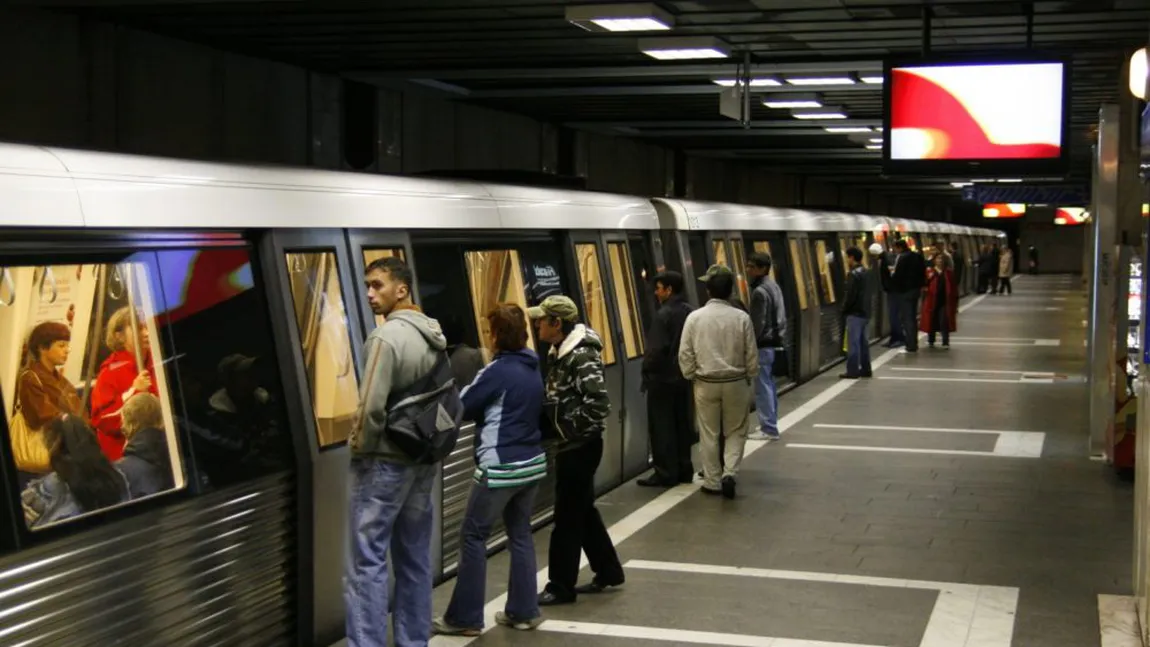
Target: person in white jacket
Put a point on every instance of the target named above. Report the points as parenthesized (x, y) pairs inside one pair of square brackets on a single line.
[(719, 355)]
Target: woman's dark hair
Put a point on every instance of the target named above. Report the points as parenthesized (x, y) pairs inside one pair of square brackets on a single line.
[(43, 336), (721, 285), (508, 325), (77, 460), (671, 280)]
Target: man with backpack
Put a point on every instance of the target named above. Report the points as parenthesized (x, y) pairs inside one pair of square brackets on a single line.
[(769, 317), (576, 410), (407, 421)]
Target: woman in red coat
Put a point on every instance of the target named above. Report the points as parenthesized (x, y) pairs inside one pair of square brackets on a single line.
[(120, 378), (939, 303)]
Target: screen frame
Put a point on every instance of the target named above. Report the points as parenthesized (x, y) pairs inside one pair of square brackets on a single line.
[(968, 168)]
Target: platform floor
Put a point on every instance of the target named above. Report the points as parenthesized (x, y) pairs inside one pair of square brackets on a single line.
[(948, 502)]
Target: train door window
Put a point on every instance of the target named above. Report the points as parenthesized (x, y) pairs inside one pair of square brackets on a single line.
[(372, 255), (494, 276), (844, 244), (594, 302), (797, 262), (644, 272), (91, 379), (740, 268), (698, 252), (325, 340), (625, 293), (763, 247), (823, 261), (719, 247)]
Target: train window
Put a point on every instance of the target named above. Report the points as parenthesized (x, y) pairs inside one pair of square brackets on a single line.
[(800, 272), (372, 255), (719, 246), (740, 268), (594, 302), (763, 247), (325, 340), (88, 388), (826, 279), (625, 297), (495, 277)]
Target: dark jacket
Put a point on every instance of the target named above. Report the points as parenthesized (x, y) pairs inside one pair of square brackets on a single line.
[(575, 382), (885, 263), (855, 301), (768, 313), (505, 401), (146, 463), (909, 272), (661, 361)]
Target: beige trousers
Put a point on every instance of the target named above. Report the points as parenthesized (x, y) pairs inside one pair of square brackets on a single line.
[(721, 410)]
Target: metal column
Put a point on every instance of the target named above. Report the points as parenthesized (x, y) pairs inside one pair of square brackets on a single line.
[(1103, 293)]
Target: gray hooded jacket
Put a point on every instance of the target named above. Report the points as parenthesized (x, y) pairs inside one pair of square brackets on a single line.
[(398, 353)]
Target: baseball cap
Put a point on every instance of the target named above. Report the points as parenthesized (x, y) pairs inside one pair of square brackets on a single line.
[(715, 270), (875, 249), (555, 306)]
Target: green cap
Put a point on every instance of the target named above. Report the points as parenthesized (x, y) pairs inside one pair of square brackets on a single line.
[(715, 270), (555, 306)]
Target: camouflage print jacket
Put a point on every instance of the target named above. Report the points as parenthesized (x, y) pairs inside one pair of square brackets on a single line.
[(575, 382)]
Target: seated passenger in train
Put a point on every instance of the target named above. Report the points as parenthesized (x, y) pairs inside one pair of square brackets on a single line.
[(146, 462), (83, 479), (120, 377), (505, 401), (577, 409), (42, 394)]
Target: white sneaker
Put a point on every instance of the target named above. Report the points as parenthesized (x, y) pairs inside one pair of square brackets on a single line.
[(757, 435)]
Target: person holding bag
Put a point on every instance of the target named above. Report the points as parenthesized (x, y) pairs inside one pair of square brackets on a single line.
[(42, 395)]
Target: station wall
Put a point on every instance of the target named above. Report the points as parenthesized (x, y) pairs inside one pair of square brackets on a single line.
[(77, 82)]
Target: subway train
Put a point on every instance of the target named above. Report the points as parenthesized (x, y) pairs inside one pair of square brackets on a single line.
[(248, 333)]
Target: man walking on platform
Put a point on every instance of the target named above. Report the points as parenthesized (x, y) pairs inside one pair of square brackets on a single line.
[(856, 312), (718, 353), (769, 318), (671, 429)]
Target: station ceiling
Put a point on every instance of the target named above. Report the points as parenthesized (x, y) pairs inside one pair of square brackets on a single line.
[(525, 57)]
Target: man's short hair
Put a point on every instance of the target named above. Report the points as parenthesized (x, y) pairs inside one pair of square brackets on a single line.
[(900, 244), (855, 253), (760, 260), (394, 267), (720, 285), (671, 280)]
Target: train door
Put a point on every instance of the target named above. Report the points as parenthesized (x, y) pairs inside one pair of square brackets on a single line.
[(806, 330), (830, 340), (697, 264), (786, 371)]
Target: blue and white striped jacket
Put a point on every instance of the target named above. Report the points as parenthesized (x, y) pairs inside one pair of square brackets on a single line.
[(506, 400)]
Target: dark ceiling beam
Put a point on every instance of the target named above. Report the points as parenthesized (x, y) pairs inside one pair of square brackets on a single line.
[(632, 90)]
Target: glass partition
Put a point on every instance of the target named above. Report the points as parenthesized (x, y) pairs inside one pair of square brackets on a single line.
[(494, 277), (325, 341), (372, 255), (625, 293), (594, 303)]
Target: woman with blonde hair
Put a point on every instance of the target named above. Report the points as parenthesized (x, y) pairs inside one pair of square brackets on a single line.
[(146, 463), (119, 378)]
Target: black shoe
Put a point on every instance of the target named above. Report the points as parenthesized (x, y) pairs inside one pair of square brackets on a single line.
[(728, 487), (848, 376), (549, 599), (654, 481), (866, 375), (597, 586), (709, 492)]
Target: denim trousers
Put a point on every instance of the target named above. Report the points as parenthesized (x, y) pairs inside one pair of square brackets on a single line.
[(484, 507), (858, 346), (390, 508), (766, 395)]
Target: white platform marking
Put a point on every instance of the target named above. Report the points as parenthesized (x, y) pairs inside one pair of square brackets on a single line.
[(682, 635), (1019, 444), (985, 380), (973, 370), (1118, 621), (964, 615)]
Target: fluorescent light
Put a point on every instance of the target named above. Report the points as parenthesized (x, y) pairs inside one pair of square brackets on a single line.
[(1010, 181), (793, 101), (872, 80), (632, 16), (876, 140), (981, 181), (874, 147), (821, 80), (959, 185), (762, 82), (847, 129), (685, 48), (823, 113)]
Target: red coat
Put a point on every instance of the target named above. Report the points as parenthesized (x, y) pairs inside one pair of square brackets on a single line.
[(930, 296), (113, 386)]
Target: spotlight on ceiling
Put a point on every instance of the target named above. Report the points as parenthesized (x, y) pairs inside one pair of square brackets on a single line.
[(1139, 70), (633, 16), (792, 101), (684, 48)]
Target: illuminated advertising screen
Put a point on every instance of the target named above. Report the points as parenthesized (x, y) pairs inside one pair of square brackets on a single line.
[(976, 115), (1003, 210), (1070, 216)]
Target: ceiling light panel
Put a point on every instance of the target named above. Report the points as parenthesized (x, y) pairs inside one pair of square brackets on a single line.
[(874, 147), (827, 112), (793, 101), (821, 80), (871, 80), (626, 17), (847, 129), (761, 82), (685, 48)]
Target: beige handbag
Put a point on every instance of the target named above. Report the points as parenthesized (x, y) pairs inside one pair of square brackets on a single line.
[(28, 448)]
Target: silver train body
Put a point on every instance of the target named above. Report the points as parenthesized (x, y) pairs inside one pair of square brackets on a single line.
[(274, 258)]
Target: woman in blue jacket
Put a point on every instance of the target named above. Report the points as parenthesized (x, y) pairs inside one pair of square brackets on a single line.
[(505, 401)]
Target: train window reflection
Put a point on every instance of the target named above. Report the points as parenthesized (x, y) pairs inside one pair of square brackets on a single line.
[(800, 272), (826, 279), (372, 255), (740, 269), (86, 393), (763, 247), (594, 303), (324, 337), (495, 277), (625, 293)]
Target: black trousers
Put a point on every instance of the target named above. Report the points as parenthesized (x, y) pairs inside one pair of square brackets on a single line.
[(672, 433), (1004, 285), (908, 315), (578, 527)]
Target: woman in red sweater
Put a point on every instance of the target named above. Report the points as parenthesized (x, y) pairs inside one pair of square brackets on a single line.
[(120, 378)]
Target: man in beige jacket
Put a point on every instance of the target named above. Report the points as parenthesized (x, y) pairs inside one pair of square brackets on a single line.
[(718, 354)]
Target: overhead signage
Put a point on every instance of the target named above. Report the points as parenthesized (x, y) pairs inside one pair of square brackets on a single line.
[(1022, 194)]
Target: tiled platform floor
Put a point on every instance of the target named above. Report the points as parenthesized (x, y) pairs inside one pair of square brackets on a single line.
[(872, 524)]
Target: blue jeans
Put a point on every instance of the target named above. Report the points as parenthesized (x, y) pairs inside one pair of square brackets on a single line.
[(893, 321), (390, 508), (858, 348), (484, 507), (766, 396)]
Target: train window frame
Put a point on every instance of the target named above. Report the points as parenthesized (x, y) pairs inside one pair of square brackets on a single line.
[(623, 281), (595, 299), (514, 267), (797, 262), (351, 369)]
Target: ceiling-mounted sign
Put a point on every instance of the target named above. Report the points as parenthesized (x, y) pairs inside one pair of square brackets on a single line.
[(1021, 194), (731, 102)]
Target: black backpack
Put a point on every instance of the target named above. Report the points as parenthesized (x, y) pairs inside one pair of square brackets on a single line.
[(424, 419)]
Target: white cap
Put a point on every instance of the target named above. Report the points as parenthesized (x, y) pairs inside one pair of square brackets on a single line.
[(875, 249)]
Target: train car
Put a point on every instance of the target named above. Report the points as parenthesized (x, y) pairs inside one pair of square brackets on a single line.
[(231, 294)]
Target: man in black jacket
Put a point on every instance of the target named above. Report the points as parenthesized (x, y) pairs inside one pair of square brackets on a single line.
[(669, 416), (856, 312), (906, 282)]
